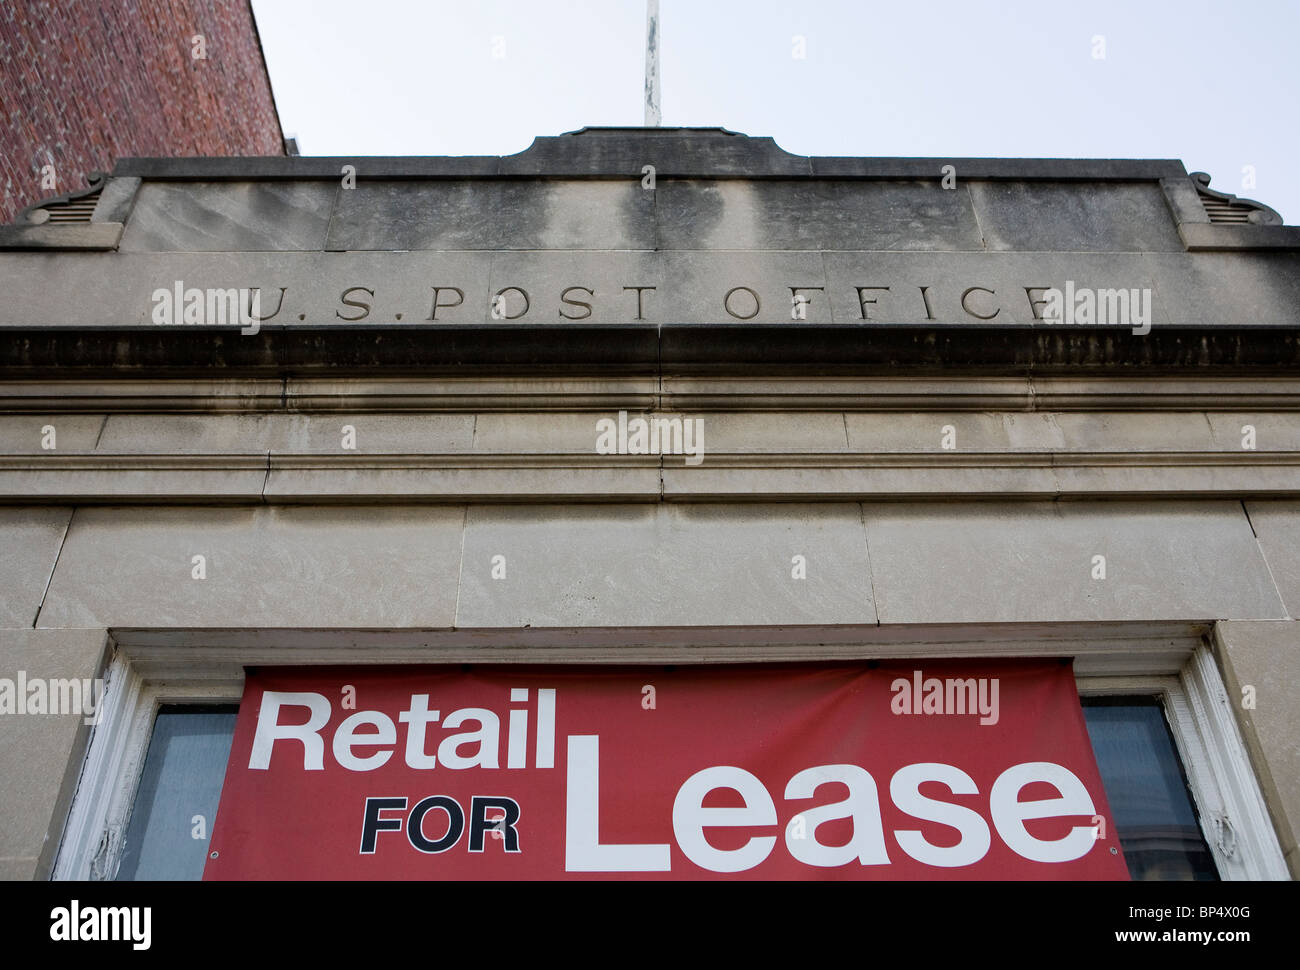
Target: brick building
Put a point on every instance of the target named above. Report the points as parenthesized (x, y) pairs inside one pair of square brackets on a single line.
[(87, 83)]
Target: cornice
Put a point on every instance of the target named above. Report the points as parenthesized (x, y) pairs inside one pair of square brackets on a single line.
[(590, 393), (112, 479)]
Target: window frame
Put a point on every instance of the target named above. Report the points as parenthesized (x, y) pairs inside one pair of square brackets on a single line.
[(1230, 804), (92, 842)]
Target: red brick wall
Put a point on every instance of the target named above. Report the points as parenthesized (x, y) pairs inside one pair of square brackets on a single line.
[(84, 82)]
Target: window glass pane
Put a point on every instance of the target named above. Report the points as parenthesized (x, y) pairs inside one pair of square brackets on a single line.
[(182, 778), (1154, 815)]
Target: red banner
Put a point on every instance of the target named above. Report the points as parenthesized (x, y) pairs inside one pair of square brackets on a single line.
[(902, 770)]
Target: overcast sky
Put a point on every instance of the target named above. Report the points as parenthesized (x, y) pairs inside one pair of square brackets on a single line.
[(1215, 84)]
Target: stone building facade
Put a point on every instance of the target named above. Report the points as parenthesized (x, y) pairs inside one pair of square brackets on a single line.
[(407, 389)]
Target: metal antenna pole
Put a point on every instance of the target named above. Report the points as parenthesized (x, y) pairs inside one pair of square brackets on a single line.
[(653, 117)]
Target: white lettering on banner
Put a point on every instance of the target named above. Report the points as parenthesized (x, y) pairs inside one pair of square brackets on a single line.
[(270, 730), (584, 852), (690, 817), (485, 737), (1009, 812), (418, 717), (582, 849), (346, 738), (905, 790), (868, 842)]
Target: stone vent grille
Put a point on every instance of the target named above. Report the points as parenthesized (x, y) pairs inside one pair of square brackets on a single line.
[(72, 210), (75, 208), (1225, 210)]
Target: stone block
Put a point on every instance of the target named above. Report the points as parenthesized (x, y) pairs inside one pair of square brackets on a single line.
[(23, 434), (664, 565), (1019, 562), (41, 754), (30, 539), (229, 216), (492, 214), (1074, 217), (815, 215), (744, 287), (1277, 524), (347, 566)]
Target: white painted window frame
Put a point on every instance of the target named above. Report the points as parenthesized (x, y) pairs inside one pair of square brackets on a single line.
[(1231, 806), (1233, 814), (93, 839)]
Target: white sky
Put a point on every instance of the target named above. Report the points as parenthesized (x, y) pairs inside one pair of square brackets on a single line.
[(1215, 84)]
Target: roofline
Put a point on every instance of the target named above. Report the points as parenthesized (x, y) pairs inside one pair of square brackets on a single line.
[(222, 168), (621, 152)]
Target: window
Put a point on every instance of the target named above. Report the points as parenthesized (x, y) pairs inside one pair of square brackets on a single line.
[(179, 789), (1153, 813)]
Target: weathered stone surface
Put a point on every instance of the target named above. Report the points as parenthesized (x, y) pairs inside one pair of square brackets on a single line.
[(1202, 236), (930, 289), (362, 480), (1135, 432), (25, 434), (685, 152), (1273, 431), (664, 566), (247, 434), (553, 289), (62, 236), (153, 478), (315, 167), (1277, 524), (1074, 217), (719, 480), (719, 433), (980, 169), (40, 754), (22, 868), (1208, 289), (30, 539), (381, 289), (116, 200), (192, 434), (229, 216), (758, 434), (465, 393), (980, 289), (672, 151), (963, 432), (972, 477), (744, 287), (1184, 201), (340, 567), (493, 214), (525, 433), (814, 215), (1021, 562)]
